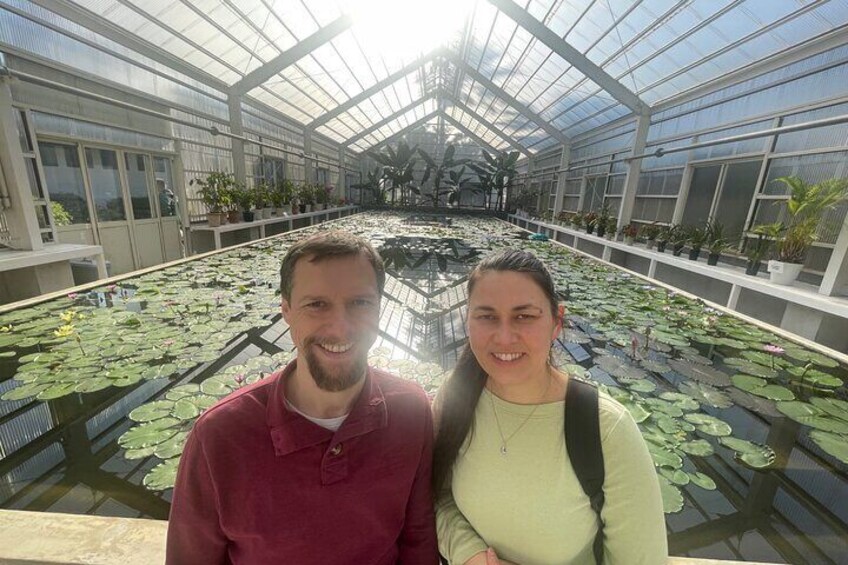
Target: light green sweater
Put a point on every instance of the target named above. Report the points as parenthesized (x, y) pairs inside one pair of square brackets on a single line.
[(528, 504)]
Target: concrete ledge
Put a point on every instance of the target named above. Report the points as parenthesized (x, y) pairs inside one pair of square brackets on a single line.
[(42, 538)]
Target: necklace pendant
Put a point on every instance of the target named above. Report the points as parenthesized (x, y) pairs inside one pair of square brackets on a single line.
[(503, 449)]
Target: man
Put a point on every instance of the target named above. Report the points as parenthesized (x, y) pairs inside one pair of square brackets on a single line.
[(326, 461)]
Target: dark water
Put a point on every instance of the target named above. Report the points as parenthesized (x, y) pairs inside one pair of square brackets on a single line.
[(186, 336)]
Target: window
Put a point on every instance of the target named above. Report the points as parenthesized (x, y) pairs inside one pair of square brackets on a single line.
[(63, 178)]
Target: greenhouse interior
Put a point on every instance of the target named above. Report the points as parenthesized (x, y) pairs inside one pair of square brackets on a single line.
[(680, 167)]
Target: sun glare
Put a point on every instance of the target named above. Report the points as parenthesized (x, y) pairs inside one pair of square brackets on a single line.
[(400, 29)]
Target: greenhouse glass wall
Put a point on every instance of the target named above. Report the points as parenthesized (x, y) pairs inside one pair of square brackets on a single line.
[(680, 166)]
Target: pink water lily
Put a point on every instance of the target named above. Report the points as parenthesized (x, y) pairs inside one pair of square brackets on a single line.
[(774, 349), (73, 295), (239, 378)]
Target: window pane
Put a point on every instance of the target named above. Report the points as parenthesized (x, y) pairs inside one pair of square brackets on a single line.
[(702, 190), (23, 132), (105, 184), (34, 179), (165, 187), (739, 185), (137, 166), (64, 182), (811, 168)]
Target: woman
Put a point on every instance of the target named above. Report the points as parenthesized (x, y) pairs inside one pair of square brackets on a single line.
[(507, 492)]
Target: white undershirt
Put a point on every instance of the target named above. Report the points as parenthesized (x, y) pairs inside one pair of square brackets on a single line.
[(332, 424)]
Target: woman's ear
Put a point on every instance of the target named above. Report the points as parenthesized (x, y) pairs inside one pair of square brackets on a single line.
[(560, 320)]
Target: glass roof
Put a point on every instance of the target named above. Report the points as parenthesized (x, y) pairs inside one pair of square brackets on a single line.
[(366, 73)]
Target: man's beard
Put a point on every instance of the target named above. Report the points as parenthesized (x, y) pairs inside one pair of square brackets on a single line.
[(335, 379)]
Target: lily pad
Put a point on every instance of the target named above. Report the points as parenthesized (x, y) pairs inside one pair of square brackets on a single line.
[(152, 411), (699, 447), (677, 477), (761, 387), (184, 409), (700, 373), (709, 424), (832, 444), (702, 480), (671, 496), (683, 401), (754, 455), (163, 476), (663, 457), (813, 416), (705, 394), (149, 433)]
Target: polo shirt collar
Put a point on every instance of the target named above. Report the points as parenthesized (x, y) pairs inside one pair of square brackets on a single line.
[(292, 432)]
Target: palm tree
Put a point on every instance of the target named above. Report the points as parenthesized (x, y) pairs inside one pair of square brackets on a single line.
[(496, 173), (397, 168), (372, 184), (438, 172)]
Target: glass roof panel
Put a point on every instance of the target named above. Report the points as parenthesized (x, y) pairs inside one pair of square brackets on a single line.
[(655, 48)]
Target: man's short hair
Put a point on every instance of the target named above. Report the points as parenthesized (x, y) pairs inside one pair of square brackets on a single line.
[(329, 245)]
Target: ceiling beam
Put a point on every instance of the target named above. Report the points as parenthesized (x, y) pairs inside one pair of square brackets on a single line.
[(260, 75), (562, 48), (101, 26), (480, 141), (411, 126), (514, 144), (375, 88), (392, 117), (511, 101)]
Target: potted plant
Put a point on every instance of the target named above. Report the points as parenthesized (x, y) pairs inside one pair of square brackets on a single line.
[(284, 194), (563, 218), (322, 196), (602, 223), (805, 207), (650, 233), (677, 238), (213, 193), (630, 233), (716, 241), (611, 224), (756, 249), (244, 198), (577, 220), (305, 197), (591, 220), (696, 237), (663, 237), (260, 198), (231, 206)]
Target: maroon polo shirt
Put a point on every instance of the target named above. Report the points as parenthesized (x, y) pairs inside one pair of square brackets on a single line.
[(260, 484)]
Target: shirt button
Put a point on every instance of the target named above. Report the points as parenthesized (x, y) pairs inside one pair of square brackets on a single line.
[(336, 450)]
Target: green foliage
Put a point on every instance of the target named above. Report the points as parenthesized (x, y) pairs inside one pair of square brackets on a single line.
[(61, 217), (805, 207), (397, 168), (497, 173), (216, 190)]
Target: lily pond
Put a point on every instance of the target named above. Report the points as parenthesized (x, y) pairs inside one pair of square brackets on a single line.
[(748, 430)]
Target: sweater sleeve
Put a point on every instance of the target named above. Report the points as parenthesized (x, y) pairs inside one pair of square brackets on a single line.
[(458, 541), (194, 528), (634, 523), (417, 542)]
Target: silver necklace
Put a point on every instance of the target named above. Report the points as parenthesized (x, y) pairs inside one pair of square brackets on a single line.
[(504, 440)]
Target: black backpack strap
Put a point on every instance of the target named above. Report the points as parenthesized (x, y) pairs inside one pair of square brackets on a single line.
[(583, 444)]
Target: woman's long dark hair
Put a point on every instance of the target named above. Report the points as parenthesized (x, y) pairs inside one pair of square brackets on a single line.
[(462, 389)]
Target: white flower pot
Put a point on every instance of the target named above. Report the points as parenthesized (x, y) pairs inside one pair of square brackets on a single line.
[(783, 273), (268, 212), (258, 213)]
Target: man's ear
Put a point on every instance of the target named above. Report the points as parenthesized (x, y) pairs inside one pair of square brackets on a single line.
[(286, 310)]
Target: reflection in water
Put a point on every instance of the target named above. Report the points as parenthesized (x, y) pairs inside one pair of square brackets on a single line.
[(62, 454)]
